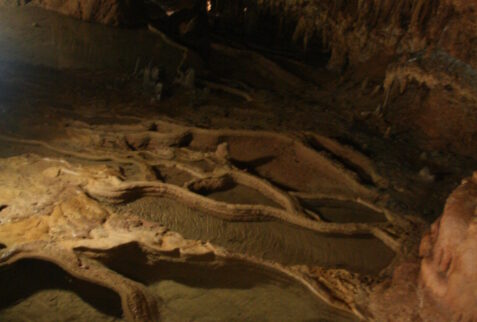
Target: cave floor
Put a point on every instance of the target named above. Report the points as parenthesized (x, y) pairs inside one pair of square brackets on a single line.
[(272, 191)]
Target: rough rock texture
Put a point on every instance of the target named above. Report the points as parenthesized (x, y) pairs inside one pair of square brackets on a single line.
[(357, 30), (69, 211), (442, 286), (427, 44), (441, 100), (189, 165), (109, 12), (48, 217), (449, 251)]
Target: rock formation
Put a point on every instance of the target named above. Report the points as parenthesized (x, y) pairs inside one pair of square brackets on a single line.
[(312, 174), (441, 286), (74, 212), (449, 250), (428, 45), (355, 31)]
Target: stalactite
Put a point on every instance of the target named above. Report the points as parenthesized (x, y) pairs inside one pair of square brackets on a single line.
[(402, 27)]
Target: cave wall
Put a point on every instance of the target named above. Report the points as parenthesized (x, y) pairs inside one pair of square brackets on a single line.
[(357, 30), (426, 45), (352, 31)]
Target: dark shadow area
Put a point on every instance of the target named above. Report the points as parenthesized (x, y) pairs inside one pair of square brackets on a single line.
[(30, 276), (134, 262), (244, 24), (213, 289)]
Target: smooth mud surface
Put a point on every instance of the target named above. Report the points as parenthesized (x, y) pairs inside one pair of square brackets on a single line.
[(235, 296), (34, 290), (227, 292)]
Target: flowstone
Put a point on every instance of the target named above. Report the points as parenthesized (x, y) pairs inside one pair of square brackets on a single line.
[(65, 212)]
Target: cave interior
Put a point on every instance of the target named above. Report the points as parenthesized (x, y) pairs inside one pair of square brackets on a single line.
[(238, 160)]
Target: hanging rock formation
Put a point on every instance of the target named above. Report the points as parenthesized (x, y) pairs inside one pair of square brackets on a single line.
[(428, 46), (357, 30)]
